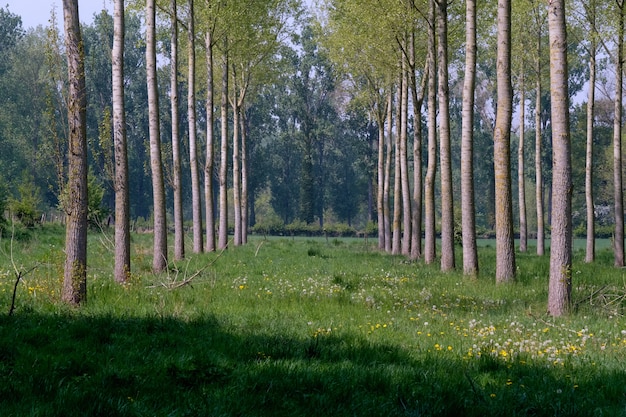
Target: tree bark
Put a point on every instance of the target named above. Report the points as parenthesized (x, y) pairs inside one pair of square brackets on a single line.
[(196, 200), (618, 193), (521, 169), (468, 215), (236, 174), (396, 242), (559, 292), (505, 249), (179, 235), (223, 178), (447, 199), (159, 261), (209, 214), (380, 192), (244, 176), (388, 142), (590, 252), (74, 289), (430, 236), (538, 147), (122, 203), (404, 161)]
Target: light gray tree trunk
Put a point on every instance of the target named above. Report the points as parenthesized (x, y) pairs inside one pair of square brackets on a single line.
[(236, 174), (560, 287), (196, 200), (590, 252), (74, 289), (521, 169), (445, 156), (396, 238), (404, 160), (430, 237), (179, 234), (618, 193), (468, 215), (538, 147), (389, 144), (244, 176), (380, 207), (122, 204), (505, 249), (159, 261), (223, 177), (209, 214)]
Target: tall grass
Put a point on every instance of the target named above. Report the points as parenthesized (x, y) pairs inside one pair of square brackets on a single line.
[(300, 327)]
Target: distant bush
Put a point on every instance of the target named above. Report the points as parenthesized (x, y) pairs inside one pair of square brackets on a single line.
[(25, 207)]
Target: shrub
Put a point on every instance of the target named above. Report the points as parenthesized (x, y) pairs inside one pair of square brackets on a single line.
[(26, 207)]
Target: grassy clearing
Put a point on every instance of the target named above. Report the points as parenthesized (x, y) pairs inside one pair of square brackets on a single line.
[(286, 327)]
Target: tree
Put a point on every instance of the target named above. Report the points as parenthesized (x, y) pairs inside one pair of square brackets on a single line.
[(505, 249), (75, 276), (122, 203), (445, 157), (223, 174), (177, 185), (559, 292), (430, 243), (159, 261), (470, 253), (618, 193), (196, 203), (538, 20)]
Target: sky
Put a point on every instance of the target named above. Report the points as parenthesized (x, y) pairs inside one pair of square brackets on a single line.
[(37, 12)]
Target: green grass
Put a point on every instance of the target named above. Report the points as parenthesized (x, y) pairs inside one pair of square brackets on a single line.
[(306, 327)]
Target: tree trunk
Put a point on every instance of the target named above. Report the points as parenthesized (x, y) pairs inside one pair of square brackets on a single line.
[(179, 234), (196, 200), (388, 141), (404, 162), (209, 215), (430, 237), (159, 261), (122, 203), (559, 292), (223, 231), (244, 176), (75, 276), (505, 249), (416, 206), (445, 157), (538, 146), (381, 182), (590, 253), (618, 193), (521, 169), (236, 174), (468, 215), (396, 242)]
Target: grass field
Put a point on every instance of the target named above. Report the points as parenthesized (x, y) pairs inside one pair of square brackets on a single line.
[(306, 327)]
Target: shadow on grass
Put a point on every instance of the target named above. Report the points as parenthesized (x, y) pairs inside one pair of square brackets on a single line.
[(110, 366)]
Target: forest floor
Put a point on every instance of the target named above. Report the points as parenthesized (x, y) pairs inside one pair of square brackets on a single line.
[(305, 327)]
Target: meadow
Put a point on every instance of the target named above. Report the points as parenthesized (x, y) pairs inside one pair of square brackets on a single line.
[(305, 327)]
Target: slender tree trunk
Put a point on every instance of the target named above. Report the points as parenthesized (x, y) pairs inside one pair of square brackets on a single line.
[(223, 231), (447, 199), (590, 253), (179, 235), (559, 293), (159, 261), (388, 244), (122, 203), (404, 162), (468, 216), (244, 176), (209, 215), (618, 193), (396, 243), (381, 183), (236, 174), (538, 147), (521, 169), (196, 200), (430, 237), (505, 249), (417, 205), (75, 276)]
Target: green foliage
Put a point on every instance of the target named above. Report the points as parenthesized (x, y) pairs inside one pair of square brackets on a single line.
[(26, 207), (96, 212)]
